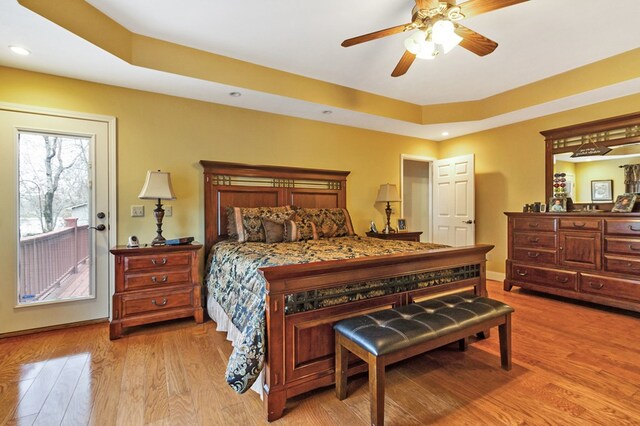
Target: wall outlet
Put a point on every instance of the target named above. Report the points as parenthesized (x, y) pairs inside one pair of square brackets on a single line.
[(168, 211), (137, 211)]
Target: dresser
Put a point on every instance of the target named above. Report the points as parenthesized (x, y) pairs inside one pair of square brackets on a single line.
[(155, 284), (402, 235), (587, 256)]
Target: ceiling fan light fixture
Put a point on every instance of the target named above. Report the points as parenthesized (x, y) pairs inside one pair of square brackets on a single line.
[(414, 43), (452, 41), (442, 31), (428, 51)]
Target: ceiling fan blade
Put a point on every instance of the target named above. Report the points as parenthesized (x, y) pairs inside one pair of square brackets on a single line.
[(478, 7), (474, 42), (426, 4), (374, 35), (404, 64)]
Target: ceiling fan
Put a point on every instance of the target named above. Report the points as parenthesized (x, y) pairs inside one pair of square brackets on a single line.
[(437, 30)]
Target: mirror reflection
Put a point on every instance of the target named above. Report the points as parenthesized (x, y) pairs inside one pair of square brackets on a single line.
[(580, 172)]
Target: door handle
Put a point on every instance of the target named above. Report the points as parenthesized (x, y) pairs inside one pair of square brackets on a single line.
[(631, 228), (533, 254), (562, 280), (634, 248), (522, 274), (162, 280), (579, 224), (100, 227), (162, 262), (596, 286), (468, 222)]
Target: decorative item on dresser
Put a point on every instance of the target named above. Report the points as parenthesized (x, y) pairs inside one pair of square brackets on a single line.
[(405, 236), (155, 284), (586, 256)]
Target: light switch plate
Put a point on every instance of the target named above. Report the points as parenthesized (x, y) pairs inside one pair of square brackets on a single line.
[(137, 211), (168, 211)]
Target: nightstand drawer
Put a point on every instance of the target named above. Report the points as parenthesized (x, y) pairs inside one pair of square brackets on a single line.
[(150, 301), (156, 279), (157, 261)]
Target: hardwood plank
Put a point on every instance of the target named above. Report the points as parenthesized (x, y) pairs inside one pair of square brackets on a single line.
[(181, 404), (156, 403), (132, 389)]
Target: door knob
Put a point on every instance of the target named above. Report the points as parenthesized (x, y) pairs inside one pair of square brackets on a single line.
[(101, 215), (468, 222), (100, 227)]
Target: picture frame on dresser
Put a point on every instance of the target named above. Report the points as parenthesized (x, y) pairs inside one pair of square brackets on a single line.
[(602, 190), (624, 203), (402, 224)]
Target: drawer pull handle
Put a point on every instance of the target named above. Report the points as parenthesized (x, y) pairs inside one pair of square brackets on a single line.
[(562, 280), (533, 225), (522, 274), (634, 248), (631, 228), (596, 286), (579, 224), (162, 262), (162, 280), (533, 240), (531, 254), (164, 302)]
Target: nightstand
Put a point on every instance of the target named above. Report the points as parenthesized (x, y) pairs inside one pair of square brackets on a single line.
[(403, 235), (155, 284)]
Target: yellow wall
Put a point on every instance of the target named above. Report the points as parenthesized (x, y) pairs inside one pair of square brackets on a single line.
[(172, 134), (510, 167)]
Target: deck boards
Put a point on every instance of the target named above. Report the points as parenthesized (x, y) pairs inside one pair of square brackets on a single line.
[(573, 364)]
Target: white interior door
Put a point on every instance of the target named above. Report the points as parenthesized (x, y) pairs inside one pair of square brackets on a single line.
[(454, 201), (55, 227)]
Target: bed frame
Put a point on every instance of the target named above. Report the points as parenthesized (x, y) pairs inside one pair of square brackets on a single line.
[(300, 341)]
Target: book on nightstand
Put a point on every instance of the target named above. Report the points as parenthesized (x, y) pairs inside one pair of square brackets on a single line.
[(179, 241)]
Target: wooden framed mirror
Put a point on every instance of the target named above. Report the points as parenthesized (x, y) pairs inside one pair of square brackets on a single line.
[(585, 175)]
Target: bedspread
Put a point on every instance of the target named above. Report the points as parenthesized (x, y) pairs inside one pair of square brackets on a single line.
[(234, 282)]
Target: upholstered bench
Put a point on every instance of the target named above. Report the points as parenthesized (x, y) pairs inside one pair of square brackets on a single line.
[(384, 337)]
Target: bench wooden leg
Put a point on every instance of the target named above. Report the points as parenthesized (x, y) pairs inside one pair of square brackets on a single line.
[(376, 389), (342, 359), (463, 344), (505, 343)]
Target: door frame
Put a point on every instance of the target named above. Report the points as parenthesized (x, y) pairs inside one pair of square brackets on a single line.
[(111, 171), (422, 159)]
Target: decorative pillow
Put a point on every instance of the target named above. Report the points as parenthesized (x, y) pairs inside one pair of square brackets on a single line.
[(249, 220), (299, 230), (232, 232), (329, 222), (273, 231)]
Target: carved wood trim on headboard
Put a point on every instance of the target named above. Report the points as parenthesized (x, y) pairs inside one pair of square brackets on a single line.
[(245, 185)]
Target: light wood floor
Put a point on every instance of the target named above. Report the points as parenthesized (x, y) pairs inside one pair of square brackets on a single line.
[(574, 364)]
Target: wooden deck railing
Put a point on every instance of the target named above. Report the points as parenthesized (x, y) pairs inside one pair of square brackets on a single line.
[(47, 259)]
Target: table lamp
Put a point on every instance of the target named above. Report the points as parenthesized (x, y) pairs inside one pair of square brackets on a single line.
[(157, 186), (388, 193)]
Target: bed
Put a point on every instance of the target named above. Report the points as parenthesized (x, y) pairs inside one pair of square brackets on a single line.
[(302, 301)]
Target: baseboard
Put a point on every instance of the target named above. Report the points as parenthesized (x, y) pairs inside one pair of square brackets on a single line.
[(496, 276), (53, 327)]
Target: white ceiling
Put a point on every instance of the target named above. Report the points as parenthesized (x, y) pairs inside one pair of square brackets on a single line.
[(537, 39)]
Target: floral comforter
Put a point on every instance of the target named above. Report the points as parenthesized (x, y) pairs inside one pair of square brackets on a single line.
[(233, 281)]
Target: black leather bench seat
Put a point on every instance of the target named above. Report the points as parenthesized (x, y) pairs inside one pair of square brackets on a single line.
[(383, 337), (392, 330)]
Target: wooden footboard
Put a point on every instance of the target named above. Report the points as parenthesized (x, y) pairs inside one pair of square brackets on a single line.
[(300, 315)]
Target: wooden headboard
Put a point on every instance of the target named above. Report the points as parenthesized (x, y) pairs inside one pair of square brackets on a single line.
[(244, 185)]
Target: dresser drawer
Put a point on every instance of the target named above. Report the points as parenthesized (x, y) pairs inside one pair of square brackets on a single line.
[(156, 279), (534, 224), (581, 224), (622, 226), (151, 301), (545, 276), (534, 240), (155, 262), (604, 286), (622, 245), (622, 265), (533, 255)]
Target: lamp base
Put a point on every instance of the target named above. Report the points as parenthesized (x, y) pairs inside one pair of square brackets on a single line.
[(159, 240), (387, 228)]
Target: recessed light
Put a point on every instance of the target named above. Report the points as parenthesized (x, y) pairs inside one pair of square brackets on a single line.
[(445, 133), (235, 94), (327, 112), (19, 50)]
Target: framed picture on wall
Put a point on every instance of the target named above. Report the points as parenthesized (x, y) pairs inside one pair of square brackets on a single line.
[(602, 190)]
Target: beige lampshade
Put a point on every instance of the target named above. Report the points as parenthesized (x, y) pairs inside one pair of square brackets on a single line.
[(387, 193), (157, 186)]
